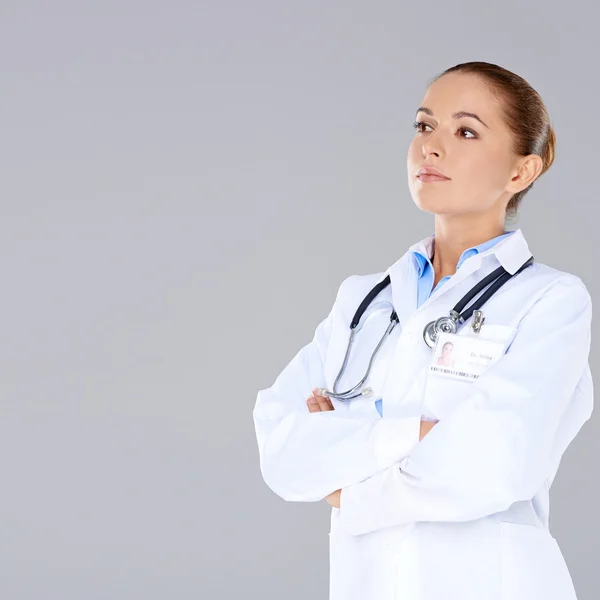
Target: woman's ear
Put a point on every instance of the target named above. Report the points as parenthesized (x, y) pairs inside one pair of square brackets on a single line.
[(527, 170)]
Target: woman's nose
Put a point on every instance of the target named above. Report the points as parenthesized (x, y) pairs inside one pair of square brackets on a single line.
[(431, 146)]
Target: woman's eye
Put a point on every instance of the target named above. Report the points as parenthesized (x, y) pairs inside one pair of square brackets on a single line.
[(418, 125), (463, 132), (472, 135)]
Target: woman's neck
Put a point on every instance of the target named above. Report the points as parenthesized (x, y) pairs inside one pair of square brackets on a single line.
[(450, 242)]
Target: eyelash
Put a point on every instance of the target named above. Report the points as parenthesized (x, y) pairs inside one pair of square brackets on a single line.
[(417, 124)]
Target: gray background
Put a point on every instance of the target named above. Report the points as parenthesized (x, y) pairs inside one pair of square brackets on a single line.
[(183, 187)]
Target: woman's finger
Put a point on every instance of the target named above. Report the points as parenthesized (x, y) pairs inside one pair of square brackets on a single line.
[(324, 403), (313, 403), (319, 403)]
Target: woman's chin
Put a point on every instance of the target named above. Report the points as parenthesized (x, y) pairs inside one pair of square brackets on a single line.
[(434, 206), (438, 204)]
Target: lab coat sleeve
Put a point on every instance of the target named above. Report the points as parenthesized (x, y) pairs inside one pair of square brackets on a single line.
[(305, 456), (499, 446)]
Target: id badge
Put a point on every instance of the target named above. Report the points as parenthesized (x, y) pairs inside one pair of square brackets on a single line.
[(463, 357)]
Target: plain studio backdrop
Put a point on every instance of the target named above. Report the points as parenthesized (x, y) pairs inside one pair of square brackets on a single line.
[(184, 185)]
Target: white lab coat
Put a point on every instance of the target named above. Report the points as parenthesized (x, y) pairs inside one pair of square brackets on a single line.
[(463, 514)]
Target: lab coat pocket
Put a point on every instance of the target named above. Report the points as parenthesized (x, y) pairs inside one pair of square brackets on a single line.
[(442, 395)]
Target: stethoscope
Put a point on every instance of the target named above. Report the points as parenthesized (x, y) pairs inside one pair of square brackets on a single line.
[(450, 324)]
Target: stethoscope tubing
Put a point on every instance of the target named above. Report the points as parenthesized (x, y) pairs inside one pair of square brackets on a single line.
[(458, 316)]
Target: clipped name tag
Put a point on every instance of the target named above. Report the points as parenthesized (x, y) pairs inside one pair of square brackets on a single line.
[(463, 357)]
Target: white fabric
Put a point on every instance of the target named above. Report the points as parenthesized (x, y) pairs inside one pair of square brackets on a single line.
[(463, 514)]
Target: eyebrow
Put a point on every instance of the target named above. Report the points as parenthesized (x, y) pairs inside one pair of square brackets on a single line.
[(456, 115)]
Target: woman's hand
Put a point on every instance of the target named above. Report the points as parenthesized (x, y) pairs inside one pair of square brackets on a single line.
[(318, 403), (426, 427), (334, 498)]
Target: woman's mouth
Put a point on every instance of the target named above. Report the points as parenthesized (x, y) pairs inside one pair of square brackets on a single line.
[(429, 174), (426, 178)]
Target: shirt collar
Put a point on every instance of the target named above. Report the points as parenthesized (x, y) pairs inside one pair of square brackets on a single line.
[(511, 253), (423, 250)]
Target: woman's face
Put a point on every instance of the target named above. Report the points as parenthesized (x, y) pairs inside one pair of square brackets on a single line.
[(475, 155), (447, 350)]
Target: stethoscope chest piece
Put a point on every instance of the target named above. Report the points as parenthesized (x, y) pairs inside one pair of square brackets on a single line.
[(430, 334), (442, 325)]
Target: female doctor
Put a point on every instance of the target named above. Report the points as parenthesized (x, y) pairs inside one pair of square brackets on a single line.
[(439, 476)]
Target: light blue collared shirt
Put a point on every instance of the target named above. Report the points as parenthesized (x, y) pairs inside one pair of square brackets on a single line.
[(426, 275)]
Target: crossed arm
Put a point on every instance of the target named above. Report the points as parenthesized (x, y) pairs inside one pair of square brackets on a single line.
[(318, 403), (498, 447)]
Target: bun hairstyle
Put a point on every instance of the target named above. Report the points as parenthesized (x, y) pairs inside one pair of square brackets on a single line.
[(524, 112)]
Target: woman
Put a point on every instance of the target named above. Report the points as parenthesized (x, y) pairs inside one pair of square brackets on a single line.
[(446, 359), (438, 486)]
